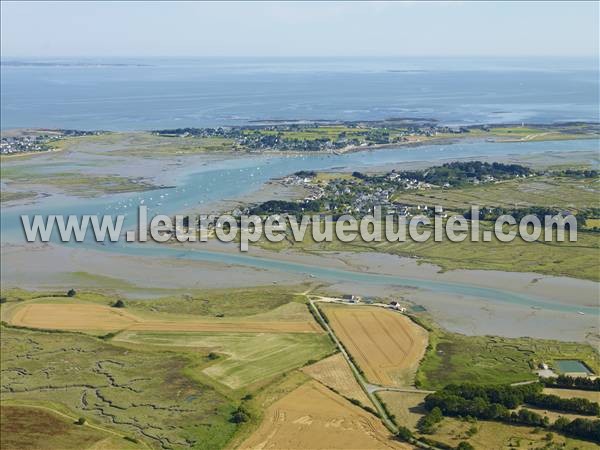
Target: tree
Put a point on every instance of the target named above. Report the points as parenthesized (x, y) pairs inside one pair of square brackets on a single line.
[(464, 445), (240, 415), (71, 293), (427, 422), (119, 304), (404, 434), (80, 421)]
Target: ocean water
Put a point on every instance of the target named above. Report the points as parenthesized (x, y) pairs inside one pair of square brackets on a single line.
[(141, 94)]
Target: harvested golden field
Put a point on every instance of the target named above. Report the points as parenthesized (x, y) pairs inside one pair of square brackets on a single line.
[(592, 396), (387, 345), (90, 317), (407, 407), (314, 417), (335, 373)]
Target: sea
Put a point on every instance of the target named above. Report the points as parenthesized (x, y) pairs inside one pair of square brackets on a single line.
[(157, 93)]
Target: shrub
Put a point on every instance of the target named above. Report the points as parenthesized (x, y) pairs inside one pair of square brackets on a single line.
[(240, 415), (119, 304), (427, 422), (71, 293), (404, 434)]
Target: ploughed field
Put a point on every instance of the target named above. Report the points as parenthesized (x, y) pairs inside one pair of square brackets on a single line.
[(314, 417), (386, 345)]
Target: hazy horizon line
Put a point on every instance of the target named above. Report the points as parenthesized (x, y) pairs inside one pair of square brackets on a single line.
[(479, 56)]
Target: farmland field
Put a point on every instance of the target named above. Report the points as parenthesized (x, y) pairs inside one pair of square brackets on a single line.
[(592, 396), (314, 417), (386, 345), (247, 357), (499, 436), (335, 373), (405, 406), (87, 317)]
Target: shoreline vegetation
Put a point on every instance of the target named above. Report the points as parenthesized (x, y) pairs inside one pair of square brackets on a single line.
[(306, 136)]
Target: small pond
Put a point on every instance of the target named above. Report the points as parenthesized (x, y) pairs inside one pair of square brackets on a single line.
[(572, 366)]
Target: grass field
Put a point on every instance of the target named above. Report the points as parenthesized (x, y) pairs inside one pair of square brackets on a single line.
[(141, 394), (406, 407), (455, 358), (314, 417), (335, 373), (387, 346), (573, 259), (246, 358), (23, 427), (547, 191), (9, 196), (226, 302), (144, 144), (593, 396), (498, 436), (74, 183)]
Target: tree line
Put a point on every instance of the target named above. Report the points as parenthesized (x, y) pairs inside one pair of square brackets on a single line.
[(568, 382), (496, 403)]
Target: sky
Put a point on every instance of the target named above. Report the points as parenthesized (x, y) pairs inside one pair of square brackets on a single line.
[(293, 29)]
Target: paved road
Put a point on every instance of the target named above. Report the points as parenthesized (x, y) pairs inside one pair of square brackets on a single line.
[(368, 388), (375, 388)]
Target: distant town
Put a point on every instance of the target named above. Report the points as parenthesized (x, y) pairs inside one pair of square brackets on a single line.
[(341, 136), (359, 193), (37, 141)]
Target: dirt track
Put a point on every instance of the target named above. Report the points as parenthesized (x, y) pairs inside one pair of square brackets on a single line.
[(88, 317)]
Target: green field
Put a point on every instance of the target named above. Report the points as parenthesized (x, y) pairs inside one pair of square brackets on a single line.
[(547, 191), (144, 144), (30, 427), (454, 358), (246, 358), (226, 302), (140, 394), (499, 436), (9, 196), (76, 183), (573, 259)]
